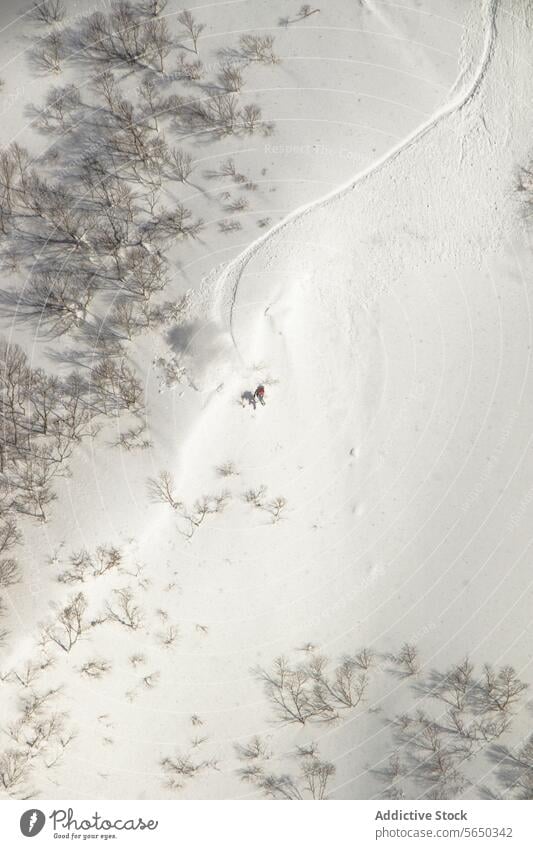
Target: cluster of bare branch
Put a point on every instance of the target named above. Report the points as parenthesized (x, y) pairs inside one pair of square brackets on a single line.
[(311, 782), (478, 710), (84, 565), (51, 52), (303, 12), (515, 769), (222, 115), (48, 11), (406, 660), (273, 506), (161, 490), (41, 418), (124, 611), (181, 768), (193, 29), (126, 37), (258, 48), (310, 691), (37, 737), (70, 624)]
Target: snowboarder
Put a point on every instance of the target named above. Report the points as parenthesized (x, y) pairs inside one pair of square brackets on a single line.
[(260, 394)]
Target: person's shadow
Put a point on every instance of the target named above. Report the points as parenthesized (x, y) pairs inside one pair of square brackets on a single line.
[(250, 397)]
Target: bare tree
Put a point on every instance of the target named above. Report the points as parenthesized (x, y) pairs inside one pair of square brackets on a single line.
[(516, 769), (181, 164), (304, 12), (124, 611), (70, 624), (61, 103), (143, 273), (192, 28), (407, 660), (32, 478), (180, 223), (159, 42), (181, 768), (273, 506), (258, 48), (501, 690), (189, 71), (83, 564), (231, 78), (51, 52), (310, 783), (226, 470), (115, 386), (155, 7), (95, 668), (161, 489), (290, 691), (345, 690), (57, 299)]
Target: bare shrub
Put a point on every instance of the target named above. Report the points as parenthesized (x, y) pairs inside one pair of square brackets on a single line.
[(226, 470), (124, 36), (61, 104), (124, 610), (181, 768), (258, 48), (432, 757), (222, 115), (30, 672), (501, 690), (181, 164), (48, 11), (51, 52), (364, 659), (159, 42), (192, 28), (9, 573), (134, 438), (304, 12), (161, 489), (516, 769), (255, 749), (83, 564), (143, 273), (169, 636), (189, 71), (115, 387), (273, 506), (154, 7), (231, 78), (344, 690), (311, 782), (180, 223), (227, 226), (173, 370), (240, 204), (95, 668), (38, 736), (57, 299), (70, 624), (407, 660), (290, 692)]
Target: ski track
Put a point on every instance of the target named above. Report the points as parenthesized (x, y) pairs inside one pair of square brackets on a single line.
[(227, 284)]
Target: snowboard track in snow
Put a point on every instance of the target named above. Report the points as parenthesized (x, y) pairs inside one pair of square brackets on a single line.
[(228, 282)]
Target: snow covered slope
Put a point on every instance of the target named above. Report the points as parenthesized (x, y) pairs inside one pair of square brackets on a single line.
[(383, 494)]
